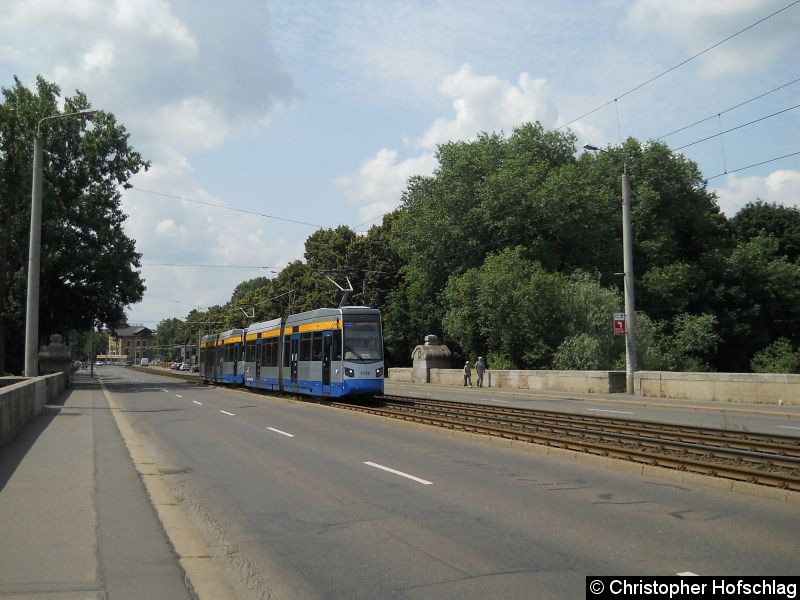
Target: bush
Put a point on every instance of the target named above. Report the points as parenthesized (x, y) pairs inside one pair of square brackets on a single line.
[(778, 357)]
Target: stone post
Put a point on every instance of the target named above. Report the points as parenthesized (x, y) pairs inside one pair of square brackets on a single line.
[(55, 358)]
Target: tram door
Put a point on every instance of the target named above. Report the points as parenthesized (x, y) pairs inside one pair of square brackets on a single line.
[(294, 351), (235, 359), (257, 349), (326, 358)]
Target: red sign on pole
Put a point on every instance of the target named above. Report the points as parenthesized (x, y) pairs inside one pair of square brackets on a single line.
[(619, 323)]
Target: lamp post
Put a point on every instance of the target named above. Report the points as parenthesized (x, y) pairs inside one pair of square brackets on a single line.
[(631, 363), (34, 251)]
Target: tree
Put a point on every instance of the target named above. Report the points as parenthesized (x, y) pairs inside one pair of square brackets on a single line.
[(778, 357), (515, 310), (89, 267), (779, 222)]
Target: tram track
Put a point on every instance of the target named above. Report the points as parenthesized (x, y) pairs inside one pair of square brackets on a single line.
[(768, 460)]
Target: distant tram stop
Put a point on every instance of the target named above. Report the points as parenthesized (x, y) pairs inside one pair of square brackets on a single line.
[(431, 355), (619, 323)]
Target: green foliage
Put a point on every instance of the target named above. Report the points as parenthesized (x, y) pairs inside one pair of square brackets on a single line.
[(780, 222), (511, 307), (779, 357), (684, 344)]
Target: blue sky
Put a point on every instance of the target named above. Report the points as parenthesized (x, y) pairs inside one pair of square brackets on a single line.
[(319, 111)]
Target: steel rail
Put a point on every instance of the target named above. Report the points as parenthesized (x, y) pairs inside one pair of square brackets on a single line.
[(778, 445), (763, 471)]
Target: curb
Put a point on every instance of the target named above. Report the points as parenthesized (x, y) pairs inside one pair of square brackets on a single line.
[(205, 577)]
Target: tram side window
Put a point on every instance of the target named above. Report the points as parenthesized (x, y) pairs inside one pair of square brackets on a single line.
[(250, 352), (336, 345), (274, 353), (316, 345), (305, 346)]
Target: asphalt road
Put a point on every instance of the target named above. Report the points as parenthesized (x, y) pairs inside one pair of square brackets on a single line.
[(298, 500)]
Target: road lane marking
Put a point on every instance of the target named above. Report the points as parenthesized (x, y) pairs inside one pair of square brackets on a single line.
[(688, 574), (225, 412), (178, 396), (787, 427), (196, 402), (496, 400), (619, 412), (281, 432), (406, 475), (163, 390)]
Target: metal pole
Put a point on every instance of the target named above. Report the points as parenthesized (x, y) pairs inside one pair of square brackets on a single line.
[(91, 351), (32, 313), (630, 305)]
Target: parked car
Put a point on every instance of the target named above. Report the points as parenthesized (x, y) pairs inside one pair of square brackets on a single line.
[(185, 367), (175, 366)]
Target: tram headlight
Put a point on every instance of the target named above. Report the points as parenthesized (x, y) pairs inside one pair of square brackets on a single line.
[(379, 373), (348, 372)]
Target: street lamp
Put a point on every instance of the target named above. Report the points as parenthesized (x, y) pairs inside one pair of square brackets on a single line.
[(631, 365), (34, 251)]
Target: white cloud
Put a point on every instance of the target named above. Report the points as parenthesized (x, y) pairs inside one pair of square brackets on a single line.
[(480, 103), (781, 186), (488, 103), (697, 24), (381, 180)]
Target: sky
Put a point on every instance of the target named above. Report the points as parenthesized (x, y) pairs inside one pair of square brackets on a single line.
[(266, 120)]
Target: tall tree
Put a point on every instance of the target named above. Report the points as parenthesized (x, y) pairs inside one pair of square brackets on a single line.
[(89, 267)]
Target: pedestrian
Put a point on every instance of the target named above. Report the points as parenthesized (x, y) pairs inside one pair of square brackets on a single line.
[(479, 369), (467, 375)]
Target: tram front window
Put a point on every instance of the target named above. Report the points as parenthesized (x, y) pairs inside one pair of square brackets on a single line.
[(362, 342)]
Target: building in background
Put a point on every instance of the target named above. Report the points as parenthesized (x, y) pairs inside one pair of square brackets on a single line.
[(134, 343)]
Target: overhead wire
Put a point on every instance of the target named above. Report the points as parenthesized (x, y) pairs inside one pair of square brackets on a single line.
[(222, 206), (680, 64), (722, 112), (758, 164), (737, 127)]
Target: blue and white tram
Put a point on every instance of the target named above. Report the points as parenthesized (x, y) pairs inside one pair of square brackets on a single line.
[(328, 352), (262, 348), (221, 357)]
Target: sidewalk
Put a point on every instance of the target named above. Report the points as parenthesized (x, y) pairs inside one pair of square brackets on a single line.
[(75, 519)]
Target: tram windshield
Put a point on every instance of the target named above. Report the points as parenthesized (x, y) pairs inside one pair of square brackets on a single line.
[(362, 341)]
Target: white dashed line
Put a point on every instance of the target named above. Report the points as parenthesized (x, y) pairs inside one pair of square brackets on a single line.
[(281, 432), (225, 412), (163, 390), (787, 427), (406, 475), (196, 402), (495, 400), (619, 412), (178, 396), (688, 574)]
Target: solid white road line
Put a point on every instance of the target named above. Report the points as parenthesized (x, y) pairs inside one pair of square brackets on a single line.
[(225, 412), (619, 412), (281, 432), (196, 402), (787, 427), (406, 475)]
